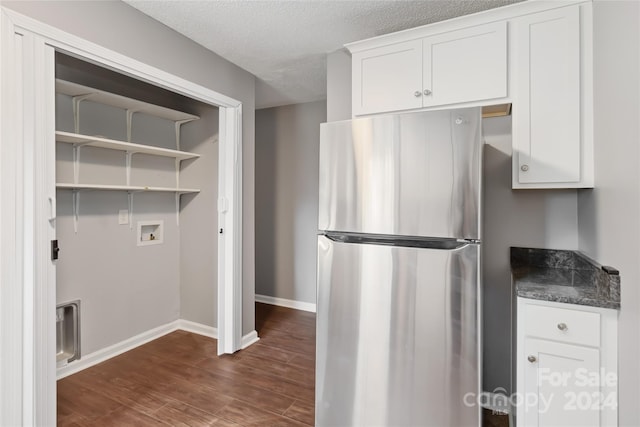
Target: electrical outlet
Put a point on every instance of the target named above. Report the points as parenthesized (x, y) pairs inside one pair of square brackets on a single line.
[(123, 217)]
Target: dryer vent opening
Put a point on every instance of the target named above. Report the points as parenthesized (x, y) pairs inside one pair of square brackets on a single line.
[(67, 332)]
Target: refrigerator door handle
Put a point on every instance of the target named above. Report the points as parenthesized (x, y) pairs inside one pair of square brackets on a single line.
[(471, 241)]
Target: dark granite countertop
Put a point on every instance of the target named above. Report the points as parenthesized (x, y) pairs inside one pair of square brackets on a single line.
[(564, 276)]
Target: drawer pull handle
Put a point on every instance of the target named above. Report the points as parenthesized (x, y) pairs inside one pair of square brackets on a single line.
[(562, 326), (532, 359)]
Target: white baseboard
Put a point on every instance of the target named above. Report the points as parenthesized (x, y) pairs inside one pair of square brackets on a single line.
[(115, 349), (211, 332), (129, 344), (198, 328), (298, 305), (250, 338)]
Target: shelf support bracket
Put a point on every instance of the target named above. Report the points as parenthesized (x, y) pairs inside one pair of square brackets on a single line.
[(178, 127), (130, 114), (130, 206), (178, 173), (179, 124), (76, 209), (177, 209), (76, 110), (76, 164), (128, 166)]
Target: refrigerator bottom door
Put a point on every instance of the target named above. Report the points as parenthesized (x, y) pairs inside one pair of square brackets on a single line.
[(397, 335)]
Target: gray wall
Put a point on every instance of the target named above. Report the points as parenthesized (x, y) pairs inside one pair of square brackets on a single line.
[(609, 215), (198, 221), (287, 141), (124, 289), (119, 27), (338, 85), (536, 218)]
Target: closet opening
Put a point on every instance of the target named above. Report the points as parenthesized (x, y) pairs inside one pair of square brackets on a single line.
[(136, 212)]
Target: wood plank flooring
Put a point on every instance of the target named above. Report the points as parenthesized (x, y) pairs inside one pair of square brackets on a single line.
[(178, 380)]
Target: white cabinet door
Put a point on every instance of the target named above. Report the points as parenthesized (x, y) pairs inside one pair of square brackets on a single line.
[(558, 389), (388, 78), (546, 110), (466, 65), (454, 67), (565, 377)]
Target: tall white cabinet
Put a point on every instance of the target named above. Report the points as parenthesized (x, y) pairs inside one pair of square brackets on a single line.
[(551, 94)]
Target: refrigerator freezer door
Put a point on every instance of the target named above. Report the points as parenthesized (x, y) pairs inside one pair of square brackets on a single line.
[(412, 174), (397, 338)]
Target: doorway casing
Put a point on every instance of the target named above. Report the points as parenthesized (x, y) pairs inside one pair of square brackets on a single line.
[(28, 207)]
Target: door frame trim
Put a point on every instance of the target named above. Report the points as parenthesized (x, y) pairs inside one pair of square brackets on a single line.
[(27, 367)]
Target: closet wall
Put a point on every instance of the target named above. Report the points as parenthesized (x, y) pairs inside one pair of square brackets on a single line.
[(126, 289), (199, 220)]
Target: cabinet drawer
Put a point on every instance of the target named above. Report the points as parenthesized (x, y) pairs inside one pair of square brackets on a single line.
[(570, 326)]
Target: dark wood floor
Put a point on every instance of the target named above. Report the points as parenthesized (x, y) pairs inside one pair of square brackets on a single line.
[(178, 380)]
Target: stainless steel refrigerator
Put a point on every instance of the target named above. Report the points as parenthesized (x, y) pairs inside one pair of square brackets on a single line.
[(398, 308)]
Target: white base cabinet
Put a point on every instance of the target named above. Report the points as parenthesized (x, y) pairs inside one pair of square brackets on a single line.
[(566, 362)]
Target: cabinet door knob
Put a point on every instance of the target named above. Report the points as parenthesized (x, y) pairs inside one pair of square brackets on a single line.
[(562, 326), (524, 168), (532, 359), (417, 94), (427, 92)]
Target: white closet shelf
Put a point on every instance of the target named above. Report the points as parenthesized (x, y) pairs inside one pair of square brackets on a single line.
[(74, 89), (112, 144), (130, 188)]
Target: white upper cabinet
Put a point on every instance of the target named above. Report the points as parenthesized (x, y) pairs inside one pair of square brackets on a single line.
[(389, 78), (466, 65), (448, 68), (551, 146), (536, 55)]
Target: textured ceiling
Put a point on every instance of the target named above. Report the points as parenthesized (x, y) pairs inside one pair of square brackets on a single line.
[(284, 43)]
